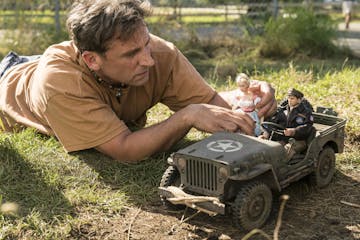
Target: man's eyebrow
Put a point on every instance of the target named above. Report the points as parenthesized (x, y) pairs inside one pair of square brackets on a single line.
[(135, 50)]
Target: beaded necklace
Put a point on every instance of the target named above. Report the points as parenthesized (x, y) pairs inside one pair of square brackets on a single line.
[(117, 89)]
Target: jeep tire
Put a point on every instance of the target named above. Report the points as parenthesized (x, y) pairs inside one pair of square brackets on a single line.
[(252, 206), (325, 169), (171, 177)]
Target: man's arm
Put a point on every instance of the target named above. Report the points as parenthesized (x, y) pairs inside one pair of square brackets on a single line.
[(134, 146), (303, 131), (220, 101), (215, 116)]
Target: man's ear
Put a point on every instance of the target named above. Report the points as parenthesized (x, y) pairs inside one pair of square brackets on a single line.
[(92, 60)]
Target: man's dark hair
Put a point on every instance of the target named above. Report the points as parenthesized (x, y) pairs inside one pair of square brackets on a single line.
[(92, 24), (304, 101)]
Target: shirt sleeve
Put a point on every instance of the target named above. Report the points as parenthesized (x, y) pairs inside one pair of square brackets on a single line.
[(185, 86), (303, 130), (82, 123)]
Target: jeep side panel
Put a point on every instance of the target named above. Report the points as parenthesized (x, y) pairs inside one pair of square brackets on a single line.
[(330, 130)]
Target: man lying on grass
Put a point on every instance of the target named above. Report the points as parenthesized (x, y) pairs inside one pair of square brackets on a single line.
[(89, 91)]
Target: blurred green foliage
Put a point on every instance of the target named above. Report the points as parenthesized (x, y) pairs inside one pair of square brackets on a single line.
[(299, 31)]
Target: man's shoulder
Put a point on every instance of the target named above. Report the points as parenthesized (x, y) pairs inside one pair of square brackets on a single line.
[(66, 49), (63, 57), (61, 69), (305, 107), (163, 52), (160, 45)]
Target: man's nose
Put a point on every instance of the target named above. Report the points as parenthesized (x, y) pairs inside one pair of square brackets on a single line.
[(146, 58)]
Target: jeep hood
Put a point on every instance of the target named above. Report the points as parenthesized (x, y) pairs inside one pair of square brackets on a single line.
[(230, 148)]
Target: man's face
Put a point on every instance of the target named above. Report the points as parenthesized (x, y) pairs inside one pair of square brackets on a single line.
[(127, 62), (293, 101)]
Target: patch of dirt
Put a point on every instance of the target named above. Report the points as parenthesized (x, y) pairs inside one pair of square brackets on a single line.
[(310, 213)]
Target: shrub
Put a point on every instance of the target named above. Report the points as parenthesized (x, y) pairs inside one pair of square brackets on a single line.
[(27, 33), (300, 31)]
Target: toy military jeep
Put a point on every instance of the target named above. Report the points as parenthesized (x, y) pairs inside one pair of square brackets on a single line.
[(235, 173)]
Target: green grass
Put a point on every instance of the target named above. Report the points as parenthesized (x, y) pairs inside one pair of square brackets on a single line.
[(58, 192)]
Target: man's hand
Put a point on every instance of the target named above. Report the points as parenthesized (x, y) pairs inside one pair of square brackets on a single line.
[(267, 106), (210, 118), (264, 135), (289, 132), (134, 146)]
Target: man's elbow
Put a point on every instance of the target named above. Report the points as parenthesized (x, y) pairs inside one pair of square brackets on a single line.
[(122, 157), (121, 149), (129, 159)]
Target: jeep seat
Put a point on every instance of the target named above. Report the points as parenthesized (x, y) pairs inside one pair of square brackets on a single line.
[(311, 136)]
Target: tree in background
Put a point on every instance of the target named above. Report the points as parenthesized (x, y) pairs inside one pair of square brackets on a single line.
[(306, 33), (29, 26)]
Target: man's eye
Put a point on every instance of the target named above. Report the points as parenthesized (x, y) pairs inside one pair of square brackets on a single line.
[(130, 55)]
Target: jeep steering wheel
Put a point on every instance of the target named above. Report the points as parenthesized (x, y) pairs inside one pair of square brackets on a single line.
[(273, 127)]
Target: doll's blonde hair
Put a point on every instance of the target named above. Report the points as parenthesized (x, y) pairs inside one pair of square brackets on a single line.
[(242, 78)]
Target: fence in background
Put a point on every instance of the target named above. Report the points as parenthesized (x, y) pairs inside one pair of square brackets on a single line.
[(245, 9), (274, 8)]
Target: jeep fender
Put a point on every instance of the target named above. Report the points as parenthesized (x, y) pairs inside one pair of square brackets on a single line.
[(263, 172)]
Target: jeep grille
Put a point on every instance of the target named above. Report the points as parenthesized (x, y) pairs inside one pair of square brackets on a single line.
[(201, 175)]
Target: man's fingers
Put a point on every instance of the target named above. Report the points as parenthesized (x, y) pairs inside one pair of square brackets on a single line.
[(266, 98), (267, 104), (212, 119), (244, 122), (267, 95), (235, 123), (255, 86), (268, 109), (228, 126)]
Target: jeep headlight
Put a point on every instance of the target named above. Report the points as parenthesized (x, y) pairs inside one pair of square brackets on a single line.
[(181, 163), (223, 172), (170, 160)]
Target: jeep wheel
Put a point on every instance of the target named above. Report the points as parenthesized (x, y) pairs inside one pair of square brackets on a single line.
[(325, 168), (171, 177), (252, 206)]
